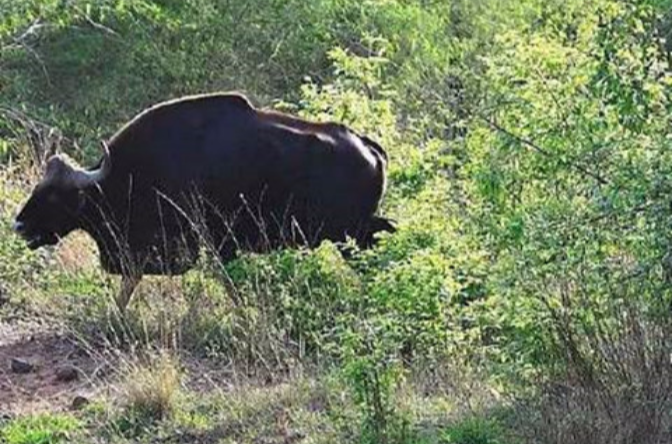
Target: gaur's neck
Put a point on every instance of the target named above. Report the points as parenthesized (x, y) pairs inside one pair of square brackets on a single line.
[(97, 220)]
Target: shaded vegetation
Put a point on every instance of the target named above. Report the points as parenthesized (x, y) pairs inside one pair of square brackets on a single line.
[(526, 294)]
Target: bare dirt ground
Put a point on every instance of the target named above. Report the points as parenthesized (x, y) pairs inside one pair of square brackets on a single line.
[(51, 349), (51, 353)]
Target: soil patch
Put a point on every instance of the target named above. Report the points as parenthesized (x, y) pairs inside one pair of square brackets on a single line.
[(43, 388)]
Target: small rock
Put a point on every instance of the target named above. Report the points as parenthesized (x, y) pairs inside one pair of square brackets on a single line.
[(67, 374), (5, 418), (79, 402), (21, 367)]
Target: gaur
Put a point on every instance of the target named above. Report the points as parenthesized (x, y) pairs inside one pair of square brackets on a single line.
[(210, 170)]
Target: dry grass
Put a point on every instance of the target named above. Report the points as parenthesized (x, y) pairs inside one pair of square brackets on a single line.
[(150, 389), (616, 387), (77, 252)]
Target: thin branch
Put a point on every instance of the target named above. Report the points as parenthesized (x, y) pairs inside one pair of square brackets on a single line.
[(540, 150), (31, 30), (44, 139), (37, 57), (96, 25), (20, 42)]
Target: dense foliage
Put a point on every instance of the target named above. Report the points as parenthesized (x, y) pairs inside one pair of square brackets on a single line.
[(530, 169)]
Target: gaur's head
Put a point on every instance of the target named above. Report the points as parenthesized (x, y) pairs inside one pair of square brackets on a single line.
[(54, 207)]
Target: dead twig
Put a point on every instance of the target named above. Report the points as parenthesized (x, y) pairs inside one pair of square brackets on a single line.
[(44, 139), (20, 41)]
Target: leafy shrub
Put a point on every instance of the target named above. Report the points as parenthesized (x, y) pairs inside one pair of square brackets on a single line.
[(528, 177), (272, 308), (371, 366), (41, 429), (474, 431)]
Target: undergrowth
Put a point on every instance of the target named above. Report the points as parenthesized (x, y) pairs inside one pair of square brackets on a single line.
[(524, 298)]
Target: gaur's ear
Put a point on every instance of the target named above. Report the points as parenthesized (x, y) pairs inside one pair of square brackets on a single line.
[(54, 139), (55, 167)]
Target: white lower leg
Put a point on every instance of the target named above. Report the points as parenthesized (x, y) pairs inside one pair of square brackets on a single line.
[(128, 284)]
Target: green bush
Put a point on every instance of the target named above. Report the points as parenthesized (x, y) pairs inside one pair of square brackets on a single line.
[(528, 177), (283, 302), (474, 431), (41, 429)]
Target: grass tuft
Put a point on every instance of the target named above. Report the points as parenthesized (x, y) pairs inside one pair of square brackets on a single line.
[(148, 393)]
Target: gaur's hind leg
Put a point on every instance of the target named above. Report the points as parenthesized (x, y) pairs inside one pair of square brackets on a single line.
[(128, 284), (376, 225), (365, 237)]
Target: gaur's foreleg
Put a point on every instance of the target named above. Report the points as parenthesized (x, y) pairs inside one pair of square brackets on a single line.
[(128, 284)]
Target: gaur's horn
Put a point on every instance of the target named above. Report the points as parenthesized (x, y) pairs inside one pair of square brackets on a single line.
[(83, 178)]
